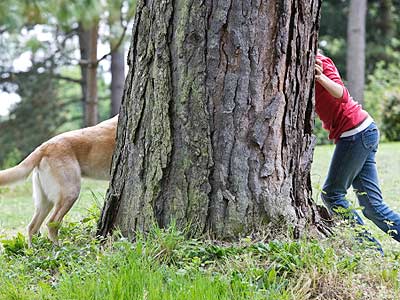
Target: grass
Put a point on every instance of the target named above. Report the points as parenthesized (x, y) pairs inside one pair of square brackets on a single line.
[(17, 205), (166, 265)]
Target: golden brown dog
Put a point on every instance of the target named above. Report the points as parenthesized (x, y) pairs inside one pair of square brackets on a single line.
[(58, 166)]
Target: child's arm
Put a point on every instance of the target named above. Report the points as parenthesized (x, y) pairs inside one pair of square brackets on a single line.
[(333, 88)]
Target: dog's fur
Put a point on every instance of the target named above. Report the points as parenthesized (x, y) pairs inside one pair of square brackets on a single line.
[(58, 166)]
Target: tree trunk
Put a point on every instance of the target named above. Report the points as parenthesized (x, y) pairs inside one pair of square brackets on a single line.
[(355, 65), (88, 49), (117, 78), (117, 57), (83, 36), (386, 21), (215, 128), (92, 114)]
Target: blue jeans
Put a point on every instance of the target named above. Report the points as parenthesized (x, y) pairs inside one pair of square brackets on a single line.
[(353, 163)]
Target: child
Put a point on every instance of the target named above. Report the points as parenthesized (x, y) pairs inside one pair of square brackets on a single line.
[(353, 163)]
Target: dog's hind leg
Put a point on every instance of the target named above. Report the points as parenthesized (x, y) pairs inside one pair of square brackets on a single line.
[(65, 189), (57, 216), (42, 207)]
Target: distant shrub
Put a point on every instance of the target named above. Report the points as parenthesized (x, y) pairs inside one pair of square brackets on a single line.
[(12, 158), (391, 118), (320, 133), (382, 94)]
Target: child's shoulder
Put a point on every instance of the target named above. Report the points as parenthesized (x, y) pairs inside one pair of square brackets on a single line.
[(321, 56), (325, 59)]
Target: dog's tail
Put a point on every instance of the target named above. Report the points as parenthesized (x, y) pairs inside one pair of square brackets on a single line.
[(21, 171)]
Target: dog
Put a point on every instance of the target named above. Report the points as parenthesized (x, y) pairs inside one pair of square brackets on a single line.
[(58, 165)]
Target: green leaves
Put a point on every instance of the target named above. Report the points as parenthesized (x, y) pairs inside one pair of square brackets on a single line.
[(16, 245)]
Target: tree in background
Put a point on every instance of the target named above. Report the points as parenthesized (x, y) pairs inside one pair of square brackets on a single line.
[(117, 78), (91, 114), (215, 129), (64, 21), (355, 58), (88, 15), (117, 56), (382, 32)]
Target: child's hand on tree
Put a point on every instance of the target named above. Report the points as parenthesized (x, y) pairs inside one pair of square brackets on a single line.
[(333, 88), (318, 69)]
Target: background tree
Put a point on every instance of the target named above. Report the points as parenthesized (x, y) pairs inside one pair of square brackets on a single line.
[(355, 64), (215, 128), (52, 34), (117, 78), (91, 98), (117, 57)]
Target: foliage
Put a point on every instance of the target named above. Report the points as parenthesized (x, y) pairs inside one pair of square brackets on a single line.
[(42, 112), (382, 98), (12, 158), (16, 14), (382, 41), (14, 246), (320, 133), (35, 119), (391, 118)]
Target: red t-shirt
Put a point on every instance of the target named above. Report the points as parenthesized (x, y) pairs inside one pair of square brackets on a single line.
[(337, 114)]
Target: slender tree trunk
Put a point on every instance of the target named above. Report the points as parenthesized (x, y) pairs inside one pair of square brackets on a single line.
[(355, 65), (117, 79), (83, 36), (117, 58), (92, 113), (88, 48), (215, 127)]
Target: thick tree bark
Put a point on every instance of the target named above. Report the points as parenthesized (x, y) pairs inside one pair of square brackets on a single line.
[(117, 79), (215, 128), (355, 64)]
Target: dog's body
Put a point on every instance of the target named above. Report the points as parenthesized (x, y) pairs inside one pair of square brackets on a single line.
[(58, 166)]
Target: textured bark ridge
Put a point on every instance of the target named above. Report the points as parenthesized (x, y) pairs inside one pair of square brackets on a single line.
[(215, 130)]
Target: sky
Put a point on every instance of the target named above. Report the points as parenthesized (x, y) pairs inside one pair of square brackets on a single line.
[(6, 102)]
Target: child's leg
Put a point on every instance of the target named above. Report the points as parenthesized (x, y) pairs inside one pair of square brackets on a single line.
[(366, 187), (347, 161)]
